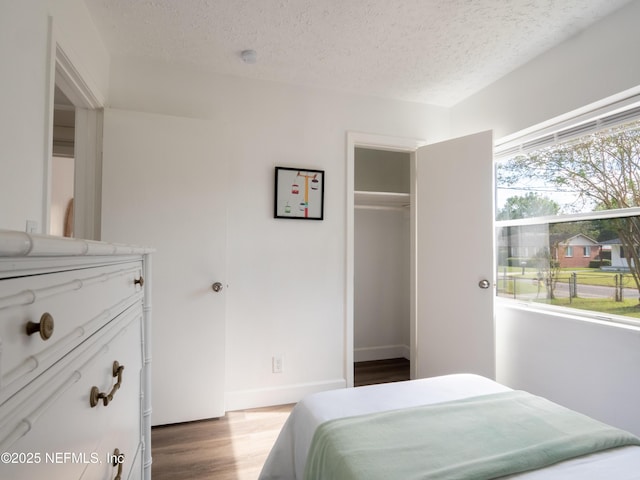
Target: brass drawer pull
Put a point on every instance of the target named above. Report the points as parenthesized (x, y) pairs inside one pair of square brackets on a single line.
[(139, 281), (96, 394), (45, 327), (118, 461)]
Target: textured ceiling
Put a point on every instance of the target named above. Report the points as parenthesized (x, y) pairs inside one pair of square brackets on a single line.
[(430, 51)]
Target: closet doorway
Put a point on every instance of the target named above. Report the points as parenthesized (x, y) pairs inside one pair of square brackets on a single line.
[(382, 180), (398, 202), (446, 335)]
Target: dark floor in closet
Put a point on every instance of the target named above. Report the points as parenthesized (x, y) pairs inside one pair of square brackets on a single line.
[(381, 371)]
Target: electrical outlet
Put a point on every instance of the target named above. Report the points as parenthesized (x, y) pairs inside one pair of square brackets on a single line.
[(276, 364), (32, 226)]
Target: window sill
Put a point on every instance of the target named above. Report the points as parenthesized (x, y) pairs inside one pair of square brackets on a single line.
[(618, 321)]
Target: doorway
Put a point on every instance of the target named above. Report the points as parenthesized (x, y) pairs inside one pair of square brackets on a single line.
[(446, 335), (381, 265), (74, 168), (400, 202)]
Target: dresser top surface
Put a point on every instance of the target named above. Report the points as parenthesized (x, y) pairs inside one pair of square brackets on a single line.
[(28, 253), (21, 244)]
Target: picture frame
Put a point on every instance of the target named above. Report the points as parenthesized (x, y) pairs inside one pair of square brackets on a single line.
[(299, 193)]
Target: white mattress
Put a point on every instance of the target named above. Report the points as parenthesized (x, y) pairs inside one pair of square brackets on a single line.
[(288, 456)]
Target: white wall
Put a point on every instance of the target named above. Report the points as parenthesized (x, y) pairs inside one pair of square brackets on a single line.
[(23, 93), (273, 309), (24, 96), (382, 283), (587, 366)]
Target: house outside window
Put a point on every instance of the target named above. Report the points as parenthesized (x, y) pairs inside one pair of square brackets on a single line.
[(570, 192)]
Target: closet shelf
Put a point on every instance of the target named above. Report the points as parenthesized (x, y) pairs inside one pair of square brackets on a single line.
[(381, 199)]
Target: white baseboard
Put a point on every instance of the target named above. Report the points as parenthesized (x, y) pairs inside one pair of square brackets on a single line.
[(383, 352), (266, 397)]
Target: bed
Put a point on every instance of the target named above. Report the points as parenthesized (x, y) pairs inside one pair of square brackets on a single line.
[(326, 435)]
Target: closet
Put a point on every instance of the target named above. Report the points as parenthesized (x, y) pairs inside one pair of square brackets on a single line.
[(382, 255)]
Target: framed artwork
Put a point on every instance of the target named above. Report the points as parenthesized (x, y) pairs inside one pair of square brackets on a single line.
[(299, 194)]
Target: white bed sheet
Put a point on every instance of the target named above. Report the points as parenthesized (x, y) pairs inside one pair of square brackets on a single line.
[(288, 456)]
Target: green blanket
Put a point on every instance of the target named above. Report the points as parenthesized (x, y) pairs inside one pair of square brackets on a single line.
[(477, 438)]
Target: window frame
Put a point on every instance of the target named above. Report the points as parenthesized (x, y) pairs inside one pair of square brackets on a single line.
[(618, 110)]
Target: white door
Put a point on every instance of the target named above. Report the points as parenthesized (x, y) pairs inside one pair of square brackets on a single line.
[(454, 276), (164, 187)]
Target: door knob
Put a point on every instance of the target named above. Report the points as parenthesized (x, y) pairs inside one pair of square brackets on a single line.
[(484, 284), (216, 287)]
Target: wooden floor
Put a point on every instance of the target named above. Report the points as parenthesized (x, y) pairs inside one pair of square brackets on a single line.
[(381, 371), (235, 447)]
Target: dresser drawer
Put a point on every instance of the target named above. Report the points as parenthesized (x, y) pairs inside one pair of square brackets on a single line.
[(116, 461), (50, 430), (75, 303)]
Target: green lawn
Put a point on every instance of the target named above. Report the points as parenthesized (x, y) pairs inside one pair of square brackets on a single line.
[(527, 285), (627, 308)]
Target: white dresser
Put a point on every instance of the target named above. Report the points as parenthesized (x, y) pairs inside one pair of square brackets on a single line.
[(75, 396)]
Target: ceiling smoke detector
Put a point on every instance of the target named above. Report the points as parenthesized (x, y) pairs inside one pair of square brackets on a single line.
[(249, 56)]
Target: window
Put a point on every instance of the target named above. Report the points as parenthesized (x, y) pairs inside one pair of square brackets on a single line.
[(574, 191)]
